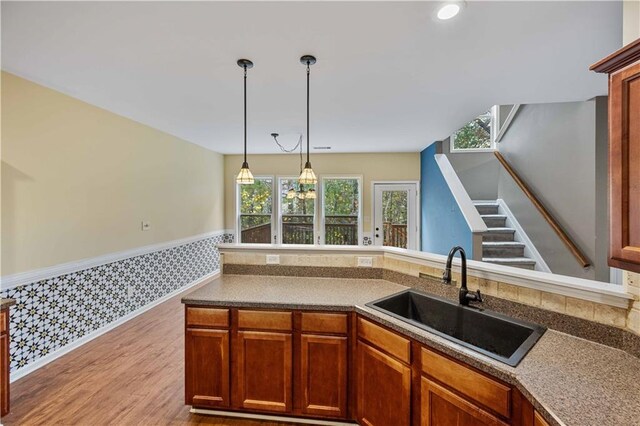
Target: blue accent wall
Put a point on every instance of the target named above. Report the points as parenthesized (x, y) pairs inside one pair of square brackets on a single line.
[(442, 223)]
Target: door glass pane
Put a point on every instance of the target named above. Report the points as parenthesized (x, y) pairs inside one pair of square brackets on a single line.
[(341, 206), (256, 206), (297, 210), (394, 218)]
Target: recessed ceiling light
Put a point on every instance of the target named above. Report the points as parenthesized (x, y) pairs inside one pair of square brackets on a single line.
[(448, 11)]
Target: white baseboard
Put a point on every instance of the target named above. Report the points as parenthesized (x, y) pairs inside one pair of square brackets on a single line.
[(23, 278), (269, 417), (41, 362)]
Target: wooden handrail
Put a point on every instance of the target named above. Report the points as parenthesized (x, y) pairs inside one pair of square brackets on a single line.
[(545, 213)]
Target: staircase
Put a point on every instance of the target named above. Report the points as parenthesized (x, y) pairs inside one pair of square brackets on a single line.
[(500, 244)]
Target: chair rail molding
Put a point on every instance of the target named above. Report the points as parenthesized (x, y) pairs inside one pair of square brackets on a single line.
[(23, 278)]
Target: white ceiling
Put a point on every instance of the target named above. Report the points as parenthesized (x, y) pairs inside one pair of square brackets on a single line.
[(389, 76)]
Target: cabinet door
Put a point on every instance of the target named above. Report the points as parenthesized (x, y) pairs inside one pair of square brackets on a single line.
[(624, 168), (264, 362), (384, 388), (4, 374), (324, 375), (207, 367), (441, 407), (538, 420)]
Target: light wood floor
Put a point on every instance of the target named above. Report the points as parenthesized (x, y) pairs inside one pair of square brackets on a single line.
[(133, 375)]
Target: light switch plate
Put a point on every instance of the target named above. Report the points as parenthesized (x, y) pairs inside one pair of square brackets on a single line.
[(273, 259), (365, 262)]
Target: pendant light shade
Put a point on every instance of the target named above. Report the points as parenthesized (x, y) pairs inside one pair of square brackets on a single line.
[(308, 177), (245, 177), (291, 193), (311, 193)]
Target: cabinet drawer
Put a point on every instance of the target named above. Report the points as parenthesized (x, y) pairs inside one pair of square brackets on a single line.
[(386, 340), (264, 320), (488, 392), (207, 317), (324, 323)]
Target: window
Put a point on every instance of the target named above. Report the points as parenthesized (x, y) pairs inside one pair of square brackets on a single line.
[(341, 210), (476, 135), (255, 205), (297, 212)]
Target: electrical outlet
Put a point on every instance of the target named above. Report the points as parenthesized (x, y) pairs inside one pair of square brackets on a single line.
[(365, 262), (273, 259), (146, 225)]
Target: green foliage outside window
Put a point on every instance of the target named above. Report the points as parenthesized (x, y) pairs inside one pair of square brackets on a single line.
[(256, 203), (394, 207), (476, 134), (341, 207)]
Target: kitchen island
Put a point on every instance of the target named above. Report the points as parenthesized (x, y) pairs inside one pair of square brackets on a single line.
[(309, 347)]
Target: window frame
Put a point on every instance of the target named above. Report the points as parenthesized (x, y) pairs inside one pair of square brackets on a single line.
[(495, 120), (279, 207), (321, 216), (239, 213)]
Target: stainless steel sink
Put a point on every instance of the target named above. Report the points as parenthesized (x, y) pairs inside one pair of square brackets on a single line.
[(495, 335)]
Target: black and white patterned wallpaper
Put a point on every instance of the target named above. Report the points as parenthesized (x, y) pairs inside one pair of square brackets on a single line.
[(53, 313)]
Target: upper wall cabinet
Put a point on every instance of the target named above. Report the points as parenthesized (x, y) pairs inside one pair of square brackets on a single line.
[(623, 68)]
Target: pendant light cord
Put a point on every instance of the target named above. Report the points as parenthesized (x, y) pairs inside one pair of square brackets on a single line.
[(308, 72), (245, 113)]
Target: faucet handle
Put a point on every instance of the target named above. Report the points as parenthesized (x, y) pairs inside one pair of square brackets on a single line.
[(478, 296)]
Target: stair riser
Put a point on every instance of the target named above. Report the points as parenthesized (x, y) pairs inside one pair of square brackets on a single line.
[(498, 236), (531, 267), (494, 222), (503, 251), (487, 209)]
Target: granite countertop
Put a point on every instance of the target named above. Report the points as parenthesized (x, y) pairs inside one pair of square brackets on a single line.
[(5, 303), (571, 381)]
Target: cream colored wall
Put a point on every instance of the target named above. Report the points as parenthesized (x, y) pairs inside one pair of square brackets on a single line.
[(373, 167), (78, 180), (631, 32), (630, 21)]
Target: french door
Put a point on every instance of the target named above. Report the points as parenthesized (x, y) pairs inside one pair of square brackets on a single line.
[(395, 215)]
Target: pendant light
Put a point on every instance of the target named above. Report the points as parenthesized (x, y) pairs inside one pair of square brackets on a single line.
[(245, 177), (308, 177)]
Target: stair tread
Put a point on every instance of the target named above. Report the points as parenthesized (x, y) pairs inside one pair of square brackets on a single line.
[(525, 260), (496, 215), (501, 229), (503, 243)]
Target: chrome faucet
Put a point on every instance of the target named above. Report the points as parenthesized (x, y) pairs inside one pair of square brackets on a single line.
[(465, 296)]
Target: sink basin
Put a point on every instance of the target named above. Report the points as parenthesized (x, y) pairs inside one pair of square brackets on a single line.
[(495, 335)]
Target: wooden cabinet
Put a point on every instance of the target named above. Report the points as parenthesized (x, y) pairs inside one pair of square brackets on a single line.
[(264, 378), (538, 420), (442, 407), (4, 361), (246, 360), (207, 362), (384, 380), (623, 68), (475, 386), (323, 378), (323, 381), (207, 367), (336, 366)]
